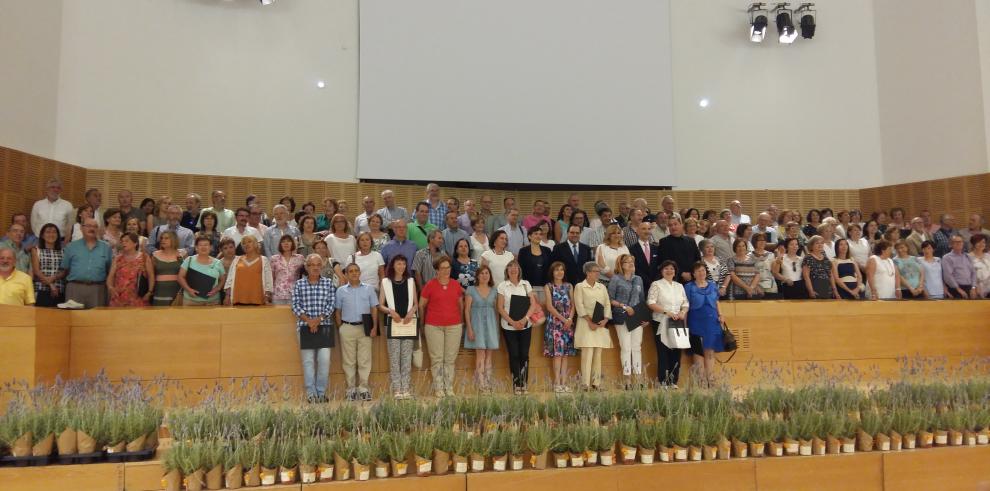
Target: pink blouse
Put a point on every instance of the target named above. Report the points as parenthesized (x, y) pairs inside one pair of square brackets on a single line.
[(285, 273)]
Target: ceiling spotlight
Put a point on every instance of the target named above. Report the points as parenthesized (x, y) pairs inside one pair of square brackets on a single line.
[(758, 20), (267, 2), (807, 15), (785, 23)]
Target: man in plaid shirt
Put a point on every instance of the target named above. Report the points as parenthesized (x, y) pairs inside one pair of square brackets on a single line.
[(438, 209), (312, 303)]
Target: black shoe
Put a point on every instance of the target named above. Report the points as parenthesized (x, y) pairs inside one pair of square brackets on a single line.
[(364, 396), (311, 399)]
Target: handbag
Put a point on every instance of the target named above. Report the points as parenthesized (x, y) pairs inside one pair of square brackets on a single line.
[(674, 334), (729, 343), (537, 318)]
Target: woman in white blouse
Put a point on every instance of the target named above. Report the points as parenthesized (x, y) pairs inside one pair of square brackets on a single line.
[(497, 258), (517, 332), (787, 270), (372, 263), (478, 239), (882, 274), (342, 244), (668, 301), (981, 263), (610, 250), (859, 247)]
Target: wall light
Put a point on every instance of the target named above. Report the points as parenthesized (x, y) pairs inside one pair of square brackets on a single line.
[(758, 21), (786, 33), (808, 17)]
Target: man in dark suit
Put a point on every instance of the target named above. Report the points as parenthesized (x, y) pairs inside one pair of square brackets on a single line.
[(647, 256), (573, 254), (679, 248)]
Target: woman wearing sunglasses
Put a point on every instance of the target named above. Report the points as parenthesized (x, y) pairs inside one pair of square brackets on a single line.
[(787, 270)]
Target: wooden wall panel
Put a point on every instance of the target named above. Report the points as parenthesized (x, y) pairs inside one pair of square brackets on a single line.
[(836, 472), (960, 196)]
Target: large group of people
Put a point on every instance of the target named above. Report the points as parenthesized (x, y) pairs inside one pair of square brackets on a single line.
[(452, 274)]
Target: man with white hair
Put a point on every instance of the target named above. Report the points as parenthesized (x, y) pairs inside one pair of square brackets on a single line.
[(975, 226), (15, 286), (735, 213), (361, 221), (53, 209), (280, 227), (764, 225), (390, 212), (919, 234)]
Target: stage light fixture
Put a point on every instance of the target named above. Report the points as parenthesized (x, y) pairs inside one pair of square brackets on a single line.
[(267, 2), (758, 21), (786, 33), (808, 17)]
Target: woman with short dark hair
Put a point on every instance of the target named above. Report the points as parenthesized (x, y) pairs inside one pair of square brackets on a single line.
[(124, 278), (287, 267), (704, 320), (202, 263), (882, 274), (817, 270)]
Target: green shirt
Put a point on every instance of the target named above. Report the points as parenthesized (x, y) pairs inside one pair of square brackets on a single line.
[(418, 233)]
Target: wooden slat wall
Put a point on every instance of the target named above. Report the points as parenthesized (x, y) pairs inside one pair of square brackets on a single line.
[(23, 179), (960, 196)]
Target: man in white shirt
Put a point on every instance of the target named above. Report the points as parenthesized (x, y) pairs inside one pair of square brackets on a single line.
[(736, 214), (764, 225), (361, 222), (255, 216), (94, 198), (53, 209), (515, 234), (238, 231)]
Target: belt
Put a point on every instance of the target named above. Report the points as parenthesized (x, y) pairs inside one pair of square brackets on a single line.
[(354, 323), (87, 282)]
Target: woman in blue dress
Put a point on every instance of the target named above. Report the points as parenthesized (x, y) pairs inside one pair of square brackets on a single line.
[(481, 334), (704, 319)]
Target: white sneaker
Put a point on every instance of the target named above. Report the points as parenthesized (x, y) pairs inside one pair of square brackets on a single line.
[(71, 305)]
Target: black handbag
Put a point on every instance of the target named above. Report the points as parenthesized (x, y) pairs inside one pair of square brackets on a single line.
[(728, 342)]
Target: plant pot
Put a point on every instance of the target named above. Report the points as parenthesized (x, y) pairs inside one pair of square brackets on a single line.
[(775, 449), (399, 467), (791, 446), (116, 448), (441, 462), (694, 453), (606, 457), (194, 481), (665, 453), (22, 445), (234, 477), (724, 449), (517, 462), (646, 455), (896, 441), (818, 446), (804, 447), (214, 477), (941, 438), (848, 445), (85, 443), (341, 468), (287, 475), (423, 466), (910, 441), (740, 450), (590, 457), (137, 444), (151, 440), (832, 445), (983, 436), (680, 453), (499, 462), (864, 442), (969, 438), (881, 442), (538, 461), (955, 438), (709, 452), (43, 446), (171, 481), (577, 459), (628, 454), (460, 464), (66, 442), (926, 439), (324, 472), (307, 474), (477, 462), (268, 476), (560, 459), (252, 477), (756, 449), (361, 472)]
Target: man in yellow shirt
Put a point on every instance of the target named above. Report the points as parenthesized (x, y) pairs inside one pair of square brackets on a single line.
[(15, 287)]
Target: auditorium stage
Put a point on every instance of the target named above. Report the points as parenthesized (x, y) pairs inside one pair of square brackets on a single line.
[(782, 342)]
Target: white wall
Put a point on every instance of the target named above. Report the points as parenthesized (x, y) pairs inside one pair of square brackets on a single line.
[(809, 108), (222, 87), (983, 29), (932, 116), (29, 54)]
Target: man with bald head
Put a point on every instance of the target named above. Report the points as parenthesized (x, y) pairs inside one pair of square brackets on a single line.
[(391, 212), (15, 286), (87, 261), (735, 213), (368, 210)]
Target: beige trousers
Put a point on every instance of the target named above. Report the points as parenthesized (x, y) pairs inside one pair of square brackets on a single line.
[(591, 366), (355, 353), (443, 344)]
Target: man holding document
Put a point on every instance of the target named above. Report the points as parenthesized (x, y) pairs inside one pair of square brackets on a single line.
[(313, 301)]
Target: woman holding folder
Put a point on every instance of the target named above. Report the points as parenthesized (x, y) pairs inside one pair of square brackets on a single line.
[(591, 336), (397, 300), (201, 276), (516, 303), (626, 293)]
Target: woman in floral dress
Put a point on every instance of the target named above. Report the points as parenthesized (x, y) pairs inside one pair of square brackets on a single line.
[(286, 268), (125, 273), (558, 337)]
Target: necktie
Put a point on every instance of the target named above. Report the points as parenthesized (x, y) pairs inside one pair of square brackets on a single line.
[(646, 251), (574, 250)]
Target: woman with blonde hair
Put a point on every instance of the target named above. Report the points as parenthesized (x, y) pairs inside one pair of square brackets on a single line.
[(625, 292), (342, 243), (608, 251), (249, 279), (167, 261), (159, 216), (517, 332)]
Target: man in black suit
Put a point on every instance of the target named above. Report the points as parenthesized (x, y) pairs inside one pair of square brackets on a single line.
[(679, 248), (573, 254), (646, 254)]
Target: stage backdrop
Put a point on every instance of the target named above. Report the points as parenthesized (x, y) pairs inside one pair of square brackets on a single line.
[(556, 91)]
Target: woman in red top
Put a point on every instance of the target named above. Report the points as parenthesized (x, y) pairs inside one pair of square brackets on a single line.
[(441, 305)]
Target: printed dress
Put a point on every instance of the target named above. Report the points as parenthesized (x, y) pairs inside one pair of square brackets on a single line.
[(125, 282), (557, 339)]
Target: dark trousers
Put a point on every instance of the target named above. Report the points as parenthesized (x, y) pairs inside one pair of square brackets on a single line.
[(668, 361), (517, 344), (45, 299), (797, 291)]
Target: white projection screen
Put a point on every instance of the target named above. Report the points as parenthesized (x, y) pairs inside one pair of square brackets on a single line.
[(516, 91)]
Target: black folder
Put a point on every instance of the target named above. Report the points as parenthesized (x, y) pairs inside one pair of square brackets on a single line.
[(599, 314), (642, 313), (322, 338), (368, 323), (518, 307), (200, 282)]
